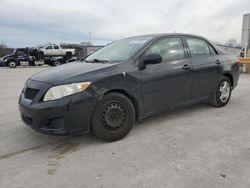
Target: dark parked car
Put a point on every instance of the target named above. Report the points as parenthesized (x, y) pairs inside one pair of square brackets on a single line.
[(128, 80)]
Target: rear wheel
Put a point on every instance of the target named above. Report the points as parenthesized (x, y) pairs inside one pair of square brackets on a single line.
[(113, 117), (56, 63), (222, 92), (68, 55)]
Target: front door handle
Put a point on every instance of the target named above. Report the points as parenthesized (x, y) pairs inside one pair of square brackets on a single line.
[(217, 62), (186, 67)]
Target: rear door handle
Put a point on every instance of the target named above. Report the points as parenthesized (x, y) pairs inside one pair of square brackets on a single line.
[(217, 62), (186, 67)]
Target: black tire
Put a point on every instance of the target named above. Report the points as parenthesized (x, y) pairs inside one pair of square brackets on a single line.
[(113, 117), (12, 64), (217, 94), (32, 63), (68, 55), (56, 63)]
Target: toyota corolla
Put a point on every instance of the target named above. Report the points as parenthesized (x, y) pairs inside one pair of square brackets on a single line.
[(125, 81)]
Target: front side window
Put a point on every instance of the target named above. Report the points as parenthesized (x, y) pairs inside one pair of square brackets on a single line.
[(120, 50), (56, 47), (198, 47), (20, 53), (170, 49), (49, 48)]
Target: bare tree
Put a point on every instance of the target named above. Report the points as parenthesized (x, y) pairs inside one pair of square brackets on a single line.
[(232, 42), (86, 43), (2, 45), (5, 50)]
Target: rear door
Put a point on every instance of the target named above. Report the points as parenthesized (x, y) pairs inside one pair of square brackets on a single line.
[(206, 65), (168, 83)]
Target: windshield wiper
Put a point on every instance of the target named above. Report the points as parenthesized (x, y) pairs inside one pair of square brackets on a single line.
[(97, 61)]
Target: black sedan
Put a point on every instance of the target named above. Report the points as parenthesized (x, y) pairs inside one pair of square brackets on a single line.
[(128, 80)]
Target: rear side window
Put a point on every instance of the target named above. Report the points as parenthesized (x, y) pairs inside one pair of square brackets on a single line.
[(198, 47), (170, 49), (56, 47), (49, 48)]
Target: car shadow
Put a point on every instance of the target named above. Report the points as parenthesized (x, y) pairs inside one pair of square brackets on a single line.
[(66, 144), (149, 121), (173, 114)]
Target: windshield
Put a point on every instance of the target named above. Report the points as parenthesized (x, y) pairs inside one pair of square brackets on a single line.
[(120, 50)]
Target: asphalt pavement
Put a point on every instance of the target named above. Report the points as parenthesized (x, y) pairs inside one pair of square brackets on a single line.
[(193, 147)]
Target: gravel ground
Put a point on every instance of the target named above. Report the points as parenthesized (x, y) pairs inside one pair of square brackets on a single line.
[(197, 146)]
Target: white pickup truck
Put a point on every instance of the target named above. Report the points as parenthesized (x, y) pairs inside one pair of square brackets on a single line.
[(56, 50)]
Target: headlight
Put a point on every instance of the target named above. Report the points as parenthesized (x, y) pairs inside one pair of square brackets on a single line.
[(58, 92)]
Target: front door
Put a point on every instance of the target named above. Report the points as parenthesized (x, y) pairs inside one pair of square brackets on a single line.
[(168, 83), (48, 51)]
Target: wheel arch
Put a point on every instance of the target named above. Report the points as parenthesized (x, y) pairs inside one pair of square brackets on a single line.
[(10, 59), (230, 77)]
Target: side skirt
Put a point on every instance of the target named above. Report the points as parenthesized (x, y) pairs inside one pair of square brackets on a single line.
[(202, 100)]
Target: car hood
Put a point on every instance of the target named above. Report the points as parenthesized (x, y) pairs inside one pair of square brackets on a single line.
[(7, 56), (72, 72)]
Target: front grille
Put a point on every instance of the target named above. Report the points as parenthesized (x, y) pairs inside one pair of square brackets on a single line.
[(30, 93), (27, 119)]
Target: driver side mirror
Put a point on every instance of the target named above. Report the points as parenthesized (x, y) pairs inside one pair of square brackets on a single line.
[(152, 59)]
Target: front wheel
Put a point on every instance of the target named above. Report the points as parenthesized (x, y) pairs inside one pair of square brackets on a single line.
[(222, 92), (12, 64), (113, 117)]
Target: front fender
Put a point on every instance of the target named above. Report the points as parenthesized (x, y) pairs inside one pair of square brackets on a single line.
[(123, 83)]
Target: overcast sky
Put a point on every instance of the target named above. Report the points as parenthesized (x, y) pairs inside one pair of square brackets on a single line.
[(34, 22)]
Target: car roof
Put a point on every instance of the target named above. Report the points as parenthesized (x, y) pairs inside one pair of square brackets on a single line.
[(159, 35), (162, 35)]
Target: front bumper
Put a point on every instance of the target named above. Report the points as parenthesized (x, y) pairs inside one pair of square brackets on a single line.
[(68, 115)]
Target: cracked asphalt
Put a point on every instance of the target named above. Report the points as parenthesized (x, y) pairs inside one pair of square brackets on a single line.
[(196, 146)]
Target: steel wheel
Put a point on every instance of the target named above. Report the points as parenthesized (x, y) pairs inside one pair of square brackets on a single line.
[(114, 116)]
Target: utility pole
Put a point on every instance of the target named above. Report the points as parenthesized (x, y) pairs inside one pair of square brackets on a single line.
[(90, 37)]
